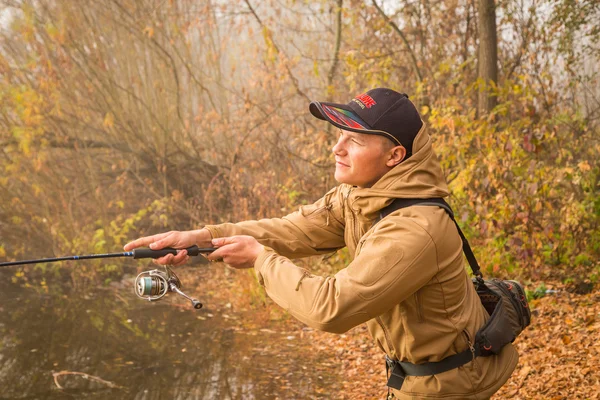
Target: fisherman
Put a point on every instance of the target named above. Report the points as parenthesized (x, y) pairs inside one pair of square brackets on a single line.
[(406, 281)]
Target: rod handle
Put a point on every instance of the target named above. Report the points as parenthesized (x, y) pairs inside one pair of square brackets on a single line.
[(149, 253)]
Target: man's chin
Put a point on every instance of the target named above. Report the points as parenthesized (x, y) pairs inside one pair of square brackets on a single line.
[(342, 178)]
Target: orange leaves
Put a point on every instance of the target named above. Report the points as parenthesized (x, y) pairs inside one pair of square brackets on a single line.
[(149, 31), (559, 354), (584, 166)]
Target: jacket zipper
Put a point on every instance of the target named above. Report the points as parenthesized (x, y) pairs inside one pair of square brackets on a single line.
[(386, 334), (354, 223), (471, 347), (420, 317), (469, 343), (326, 208)]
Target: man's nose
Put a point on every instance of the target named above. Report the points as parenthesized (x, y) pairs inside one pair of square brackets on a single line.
[(338, 147)]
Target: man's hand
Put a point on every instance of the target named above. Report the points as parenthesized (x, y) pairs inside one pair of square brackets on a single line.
[(238, 251), (174, 239)]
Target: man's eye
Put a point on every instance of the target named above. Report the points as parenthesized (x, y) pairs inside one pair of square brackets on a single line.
[(357, 142)]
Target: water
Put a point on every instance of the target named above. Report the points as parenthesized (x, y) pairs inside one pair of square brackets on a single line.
[(133, 349)]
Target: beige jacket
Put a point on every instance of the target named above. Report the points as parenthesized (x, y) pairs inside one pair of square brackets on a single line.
[(407, 280)]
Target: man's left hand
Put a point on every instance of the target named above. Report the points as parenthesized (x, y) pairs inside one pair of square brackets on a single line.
[(238, 251)]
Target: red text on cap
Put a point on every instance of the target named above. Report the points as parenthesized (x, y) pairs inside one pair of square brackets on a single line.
[(366, 100)]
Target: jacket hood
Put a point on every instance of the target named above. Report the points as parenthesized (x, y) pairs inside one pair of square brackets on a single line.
[(420, 176)]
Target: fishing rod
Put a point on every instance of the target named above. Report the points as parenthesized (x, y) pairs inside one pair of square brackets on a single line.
[(149, 285)]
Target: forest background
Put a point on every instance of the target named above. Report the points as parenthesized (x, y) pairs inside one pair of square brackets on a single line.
[(121, 118)]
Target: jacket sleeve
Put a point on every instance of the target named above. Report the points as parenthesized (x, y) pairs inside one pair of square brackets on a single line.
[(313, 229), (394, 261)]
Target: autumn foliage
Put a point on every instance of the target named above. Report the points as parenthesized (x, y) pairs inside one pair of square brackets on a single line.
[(121, 118)]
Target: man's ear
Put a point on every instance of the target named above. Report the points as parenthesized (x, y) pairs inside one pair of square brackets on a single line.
[(396, 155)]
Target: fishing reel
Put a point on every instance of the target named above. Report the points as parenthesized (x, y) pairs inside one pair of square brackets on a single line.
[(154, 285)]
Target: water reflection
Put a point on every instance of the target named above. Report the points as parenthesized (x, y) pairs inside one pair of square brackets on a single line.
[(132, 349)]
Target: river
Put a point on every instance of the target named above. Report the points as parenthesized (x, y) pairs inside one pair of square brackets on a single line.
[(66, 340)]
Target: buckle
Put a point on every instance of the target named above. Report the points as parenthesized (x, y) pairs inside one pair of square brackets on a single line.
[(397, 376), (389, 363)]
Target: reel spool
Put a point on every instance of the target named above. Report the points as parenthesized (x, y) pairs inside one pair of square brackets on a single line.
[(154, 285), (151, 285)]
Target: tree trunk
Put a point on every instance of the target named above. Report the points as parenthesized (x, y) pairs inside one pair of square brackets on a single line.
[(488, 56)]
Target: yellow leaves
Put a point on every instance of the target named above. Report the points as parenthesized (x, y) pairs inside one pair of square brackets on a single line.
[(445, 67), (109, 120), (52, 30), (271, 49), (517, 89), (28, 104), (116, 203), (36, 189), (330, 90), (2, 251), (56, 33)]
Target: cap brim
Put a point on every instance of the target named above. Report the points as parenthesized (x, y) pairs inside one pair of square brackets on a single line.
[(339, 115), (343, 117)]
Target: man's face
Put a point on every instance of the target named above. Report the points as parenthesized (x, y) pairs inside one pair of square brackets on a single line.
[(361, 159)]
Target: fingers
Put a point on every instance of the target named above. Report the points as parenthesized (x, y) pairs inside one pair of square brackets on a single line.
[(224, 249), (236, 251), (185, 260), (174, 260), (145, 241), (218, 254), (167, 241)]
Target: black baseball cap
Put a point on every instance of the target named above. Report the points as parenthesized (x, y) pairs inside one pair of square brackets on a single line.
[(380, 111)]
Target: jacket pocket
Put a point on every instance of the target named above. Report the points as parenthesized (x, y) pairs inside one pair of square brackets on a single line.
[(311, 211)]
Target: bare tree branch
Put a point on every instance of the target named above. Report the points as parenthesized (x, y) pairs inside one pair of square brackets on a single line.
[(413, 58), (268, 32)]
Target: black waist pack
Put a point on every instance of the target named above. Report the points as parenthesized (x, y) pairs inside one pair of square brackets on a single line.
[(506, 303), (504, 300)]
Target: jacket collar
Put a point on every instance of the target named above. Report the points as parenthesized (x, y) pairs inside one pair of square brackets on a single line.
[(420, 176)]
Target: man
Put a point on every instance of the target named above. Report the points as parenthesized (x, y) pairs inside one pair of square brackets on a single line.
[(407, 281)]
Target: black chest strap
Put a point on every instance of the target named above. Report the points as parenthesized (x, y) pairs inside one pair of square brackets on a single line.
[(398, 370)]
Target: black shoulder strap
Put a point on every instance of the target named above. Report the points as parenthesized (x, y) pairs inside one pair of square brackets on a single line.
[(439, 202)]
